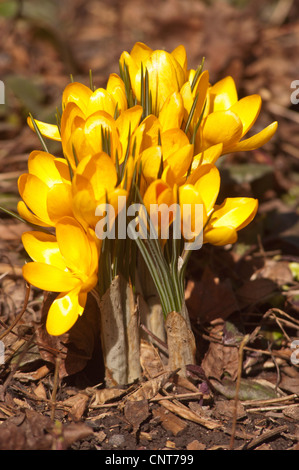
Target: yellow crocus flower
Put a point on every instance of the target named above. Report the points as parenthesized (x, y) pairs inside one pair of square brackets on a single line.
[(45, 190), (167, 72), (228, 218), (66, 263), (111, 100), (227, 120)]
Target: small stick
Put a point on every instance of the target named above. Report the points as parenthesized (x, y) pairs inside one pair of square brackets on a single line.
[(243, 343), (55, 386)]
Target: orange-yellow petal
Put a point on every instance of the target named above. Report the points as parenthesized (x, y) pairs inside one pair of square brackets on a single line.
[(43, 248), (49, 278), (74, 245), (222, 127), (27, 215), (247, 109), (220, 236), (256, 141), (77, 93), (223, 94), (50, 131), (34, 193), (235, 212), (64, 312)]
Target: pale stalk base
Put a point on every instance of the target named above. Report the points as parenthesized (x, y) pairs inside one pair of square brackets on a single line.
[(180, 341), (120, 334)]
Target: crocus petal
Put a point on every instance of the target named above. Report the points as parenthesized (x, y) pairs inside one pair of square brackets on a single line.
[(235, 212), (200, 90), (70, 114), (208, 185), (97, 124), (74, 245), (78, 93), (179, 53), (151, 160), (64, 312), (116, 88), (59, 201), (47, 168), (172, 141), (222, 127), (256, 141), (27, 215), (165, 77), (179, 163), (223, 94), (140, 52), (172, 112), (126, 125), (34, 193), (43, 248), (101, 100), (210, 155), (50, 131), (84, 207), (49, 278), (100, 171), (220, 236), (192, 224), (247, 109)]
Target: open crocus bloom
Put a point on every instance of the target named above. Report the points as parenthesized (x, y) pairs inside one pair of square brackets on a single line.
[(228, 218), (227, 120), (45, 190), (111, 100), (68, 264)]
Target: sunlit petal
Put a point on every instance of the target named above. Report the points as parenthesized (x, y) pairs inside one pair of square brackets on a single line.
[(235, 212), (220, 236), (256, 140), (223, 94), (49, 278), (247, 109), (50, 131), (74, 245), (43, 248), (64, 312), (76, 93)]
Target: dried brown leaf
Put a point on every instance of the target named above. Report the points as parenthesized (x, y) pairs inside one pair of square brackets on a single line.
[(219, 303), (136, 412), (169, 421)]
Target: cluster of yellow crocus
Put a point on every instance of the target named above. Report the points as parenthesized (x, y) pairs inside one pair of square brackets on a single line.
[(158, 119)]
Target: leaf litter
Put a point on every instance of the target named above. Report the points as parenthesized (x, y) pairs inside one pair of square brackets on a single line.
[(52, 393)]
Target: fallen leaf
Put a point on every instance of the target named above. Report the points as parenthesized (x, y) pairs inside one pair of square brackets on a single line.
[(150, 388), (78, 403), (169, 421), (105, 395), (219, 303), (184, 412), (150, 360), (136, 412), (196, 445), (220, 359)]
